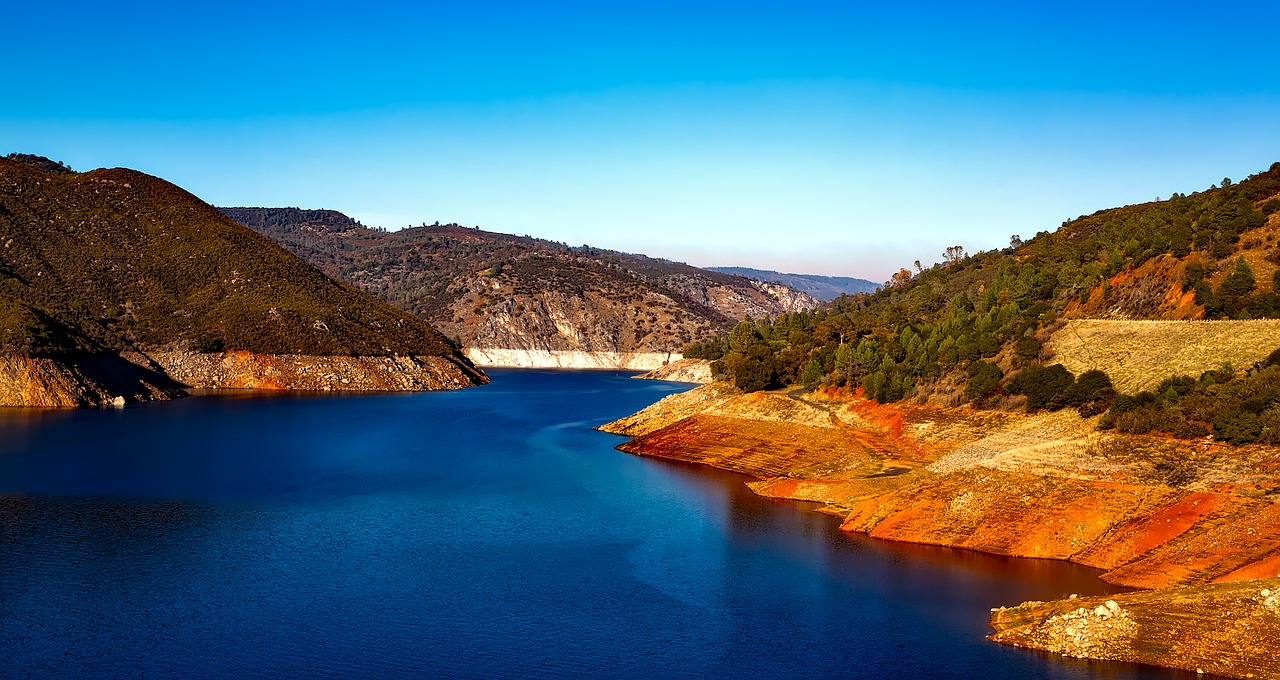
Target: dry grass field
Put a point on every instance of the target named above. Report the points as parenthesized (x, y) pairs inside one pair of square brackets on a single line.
[(1138, 355)]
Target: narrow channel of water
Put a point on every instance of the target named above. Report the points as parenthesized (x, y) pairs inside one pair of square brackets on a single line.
[(482, 533)]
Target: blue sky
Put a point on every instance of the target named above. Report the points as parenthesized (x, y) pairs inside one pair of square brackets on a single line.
[(833, 138)]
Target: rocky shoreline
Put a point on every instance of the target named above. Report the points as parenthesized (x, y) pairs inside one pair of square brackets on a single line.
[(106, 380), (682, 370), (1168, 516)]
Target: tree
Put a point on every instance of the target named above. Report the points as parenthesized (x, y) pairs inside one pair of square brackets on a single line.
[(1015, 242), (1026, 350), (953, 254), (1046, 387), (744, 335), (812, 374), (1092, 393), (984, 378), (1240, 281)]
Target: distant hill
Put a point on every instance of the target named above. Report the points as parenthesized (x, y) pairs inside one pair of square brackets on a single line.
[(507, 297), (42, 163), (824, 288), (113, 261)]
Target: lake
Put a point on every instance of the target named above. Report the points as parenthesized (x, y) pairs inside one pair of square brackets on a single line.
[(486, 533)]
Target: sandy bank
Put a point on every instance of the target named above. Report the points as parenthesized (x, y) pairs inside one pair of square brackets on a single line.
[(540, 358)]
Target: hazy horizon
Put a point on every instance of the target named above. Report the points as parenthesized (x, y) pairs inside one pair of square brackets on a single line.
[(823, 139)]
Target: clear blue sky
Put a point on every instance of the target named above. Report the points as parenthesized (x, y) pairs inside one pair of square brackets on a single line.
[(834, 138)]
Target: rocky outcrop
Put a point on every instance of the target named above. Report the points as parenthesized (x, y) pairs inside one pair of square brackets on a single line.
[(1227, 629), (682, 370), (246, 370), (75, 381)]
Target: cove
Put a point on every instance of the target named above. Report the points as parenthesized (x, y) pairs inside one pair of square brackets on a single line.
[(488, 532)]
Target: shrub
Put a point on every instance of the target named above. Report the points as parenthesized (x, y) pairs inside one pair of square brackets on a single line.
[(1092, 393), (208, 344), (1046, 387), (1241, 427), (984, 379)]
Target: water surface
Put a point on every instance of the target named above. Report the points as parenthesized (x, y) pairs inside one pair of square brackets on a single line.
[(483, 533)]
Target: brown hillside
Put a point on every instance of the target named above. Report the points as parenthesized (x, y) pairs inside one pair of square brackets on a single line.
[(123, 258), (492, 290)]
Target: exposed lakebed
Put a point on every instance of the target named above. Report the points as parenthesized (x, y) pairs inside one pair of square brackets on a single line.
[(488, 532)]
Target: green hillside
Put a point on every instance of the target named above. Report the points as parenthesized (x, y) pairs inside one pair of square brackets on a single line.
[(964, 330)]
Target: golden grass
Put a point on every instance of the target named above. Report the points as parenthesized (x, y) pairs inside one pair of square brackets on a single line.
[(1138, 355)]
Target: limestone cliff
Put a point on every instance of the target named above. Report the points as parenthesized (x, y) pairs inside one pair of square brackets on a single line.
[(543, 358)]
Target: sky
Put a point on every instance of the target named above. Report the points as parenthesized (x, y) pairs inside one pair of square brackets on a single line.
[(830, 138)]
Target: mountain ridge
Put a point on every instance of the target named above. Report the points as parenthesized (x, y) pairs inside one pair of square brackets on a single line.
[(824, 288), (520, 300)]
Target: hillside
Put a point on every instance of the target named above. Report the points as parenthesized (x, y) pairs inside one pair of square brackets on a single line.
[(965, 329), (115, 261), (1139, 355), (1174, 516), (823, 288), (517, 300)]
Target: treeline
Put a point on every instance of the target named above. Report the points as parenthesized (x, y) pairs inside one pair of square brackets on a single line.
[(1237, 297), (973, 324)]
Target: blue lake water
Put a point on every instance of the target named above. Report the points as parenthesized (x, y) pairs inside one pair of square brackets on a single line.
[(483, 533)]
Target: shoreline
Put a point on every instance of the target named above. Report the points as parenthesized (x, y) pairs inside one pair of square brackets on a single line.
[(493, 357), (1042, 486)]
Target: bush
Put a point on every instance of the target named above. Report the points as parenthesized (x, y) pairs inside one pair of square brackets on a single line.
[(984, 379), (1242, 427), (208, 344), (1092, 393), (1026, 350), (1046, 387)]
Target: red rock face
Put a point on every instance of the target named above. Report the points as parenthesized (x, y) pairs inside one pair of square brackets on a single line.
[(870, 463), (1029, 487), (1145, 536)]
